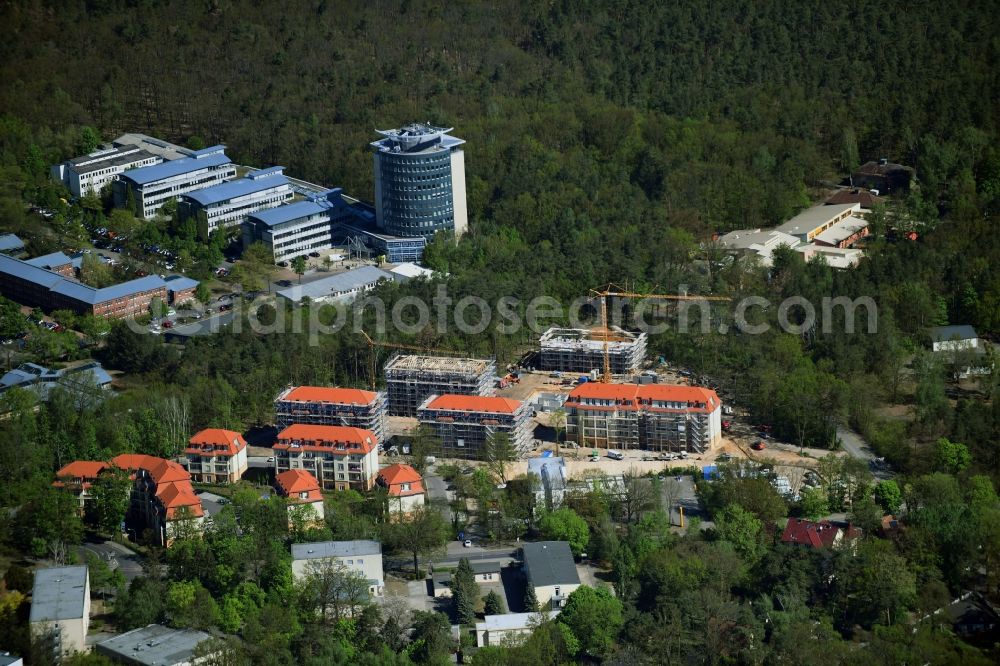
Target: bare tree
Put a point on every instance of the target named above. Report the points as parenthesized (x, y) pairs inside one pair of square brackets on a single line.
[(498, 452), (637, 495), (175, 414), (334, 590)]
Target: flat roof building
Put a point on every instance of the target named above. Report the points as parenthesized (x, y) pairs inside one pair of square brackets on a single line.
[(331, 405), (154, 645), (228, 204), (87, 383), (145, 190), (164, 149), (11, 244), (60, 608), (420, 181), (90, 174), (361, 556), (411, 380), (509, 628), (395, 249), (8, 659), (310, 225), (810, 225), (582, 350), (465, 423), (343, 287)]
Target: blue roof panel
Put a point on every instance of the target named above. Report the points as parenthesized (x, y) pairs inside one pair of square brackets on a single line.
[(236, 188), (48, 260), (10, 242), (200, 160), (180, 283), (27, 272)]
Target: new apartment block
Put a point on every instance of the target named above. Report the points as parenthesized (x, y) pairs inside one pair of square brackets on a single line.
[(420, 181), (216, 455), (91, 173), (657, 417), (582, 350), (340, 457), (229, 204), (331, 405), (464, 423), (145, 190), (411, 379)]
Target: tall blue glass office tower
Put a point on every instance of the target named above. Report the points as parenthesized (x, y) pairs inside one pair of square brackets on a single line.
[(419, 181)]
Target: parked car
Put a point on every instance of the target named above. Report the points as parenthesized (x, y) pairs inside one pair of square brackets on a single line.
[(168, 324), (468, 543), (758, 445), (314, 254)]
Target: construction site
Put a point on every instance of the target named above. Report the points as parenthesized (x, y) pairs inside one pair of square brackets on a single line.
[(464, 423), (583, 350), (411, 379), (332, 406)]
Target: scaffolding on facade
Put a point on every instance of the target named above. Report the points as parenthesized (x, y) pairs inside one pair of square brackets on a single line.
[(582, 350), (411, 379), (298, 404), (464, 432)]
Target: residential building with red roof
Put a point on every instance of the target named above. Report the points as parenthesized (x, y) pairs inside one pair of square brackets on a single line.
[(405, 487), (215, 455), (819, 534), (162, 498), (340, 457), (301, 489), (78, 476), (464, 423), (331, 405), (658, 417)]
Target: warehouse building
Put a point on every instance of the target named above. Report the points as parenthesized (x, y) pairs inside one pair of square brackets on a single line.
[(656, 417), (582, 350), (229, 204), (420, 181), (411, 380), (341, 458), (91, 173), (340, 287), (145, 190), (465, 423), (330, 405)]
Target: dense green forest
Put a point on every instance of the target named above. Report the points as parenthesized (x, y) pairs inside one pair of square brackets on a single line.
[(606, 142)]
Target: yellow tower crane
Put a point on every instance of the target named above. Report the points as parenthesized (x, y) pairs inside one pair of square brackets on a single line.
[(618, 292)]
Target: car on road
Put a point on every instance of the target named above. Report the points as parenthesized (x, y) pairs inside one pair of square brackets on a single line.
[(222, 501), (314, 254), (468, 543), (283, 264), (270, 459), (168, 324), (758, 445)]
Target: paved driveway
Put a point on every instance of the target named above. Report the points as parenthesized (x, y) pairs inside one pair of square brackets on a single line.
[(116, 555)]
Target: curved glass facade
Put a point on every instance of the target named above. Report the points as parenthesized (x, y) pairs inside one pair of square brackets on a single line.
[(416, 192)]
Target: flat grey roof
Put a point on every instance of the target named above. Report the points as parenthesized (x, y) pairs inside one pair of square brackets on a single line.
[(102, 159), (337, 285), (324, 549), (59, 593), (549, 563), (153, 645), (7, 659), (958, 332), (513, 621)]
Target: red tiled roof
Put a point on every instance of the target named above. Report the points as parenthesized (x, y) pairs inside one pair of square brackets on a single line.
[(324, 437), (134, 461), (474, 403), (602, 391), (292, 482), (334, 394), (173, 483), (216, 441), (167, 471), (173, 496), (82, 469), (628, 396), (863, 197), (393, 476), (821, 534)]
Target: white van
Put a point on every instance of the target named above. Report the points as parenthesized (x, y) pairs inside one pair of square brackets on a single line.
[(616, 455)]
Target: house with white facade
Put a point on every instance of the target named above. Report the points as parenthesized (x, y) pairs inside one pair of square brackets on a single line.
[(509, 628), (145, 190), (363, 557), (90, 174), (60, 608), (551, 570)]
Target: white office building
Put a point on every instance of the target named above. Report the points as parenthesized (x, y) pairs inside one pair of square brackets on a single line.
[(228, 204), (147, 189), (301, 227), (91, 173), (60, 608)]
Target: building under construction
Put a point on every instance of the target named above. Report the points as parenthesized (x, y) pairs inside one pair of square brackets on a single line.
[(411, 379), (331, 406), (582, 350), (656, 417), (464, 423)]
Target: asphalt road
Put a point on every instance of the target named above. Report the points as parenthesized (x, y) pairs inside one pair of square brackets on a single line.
[(116, 555), (684, 496), (259, 461), (437, 490), (858, 448), (204, 326)]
